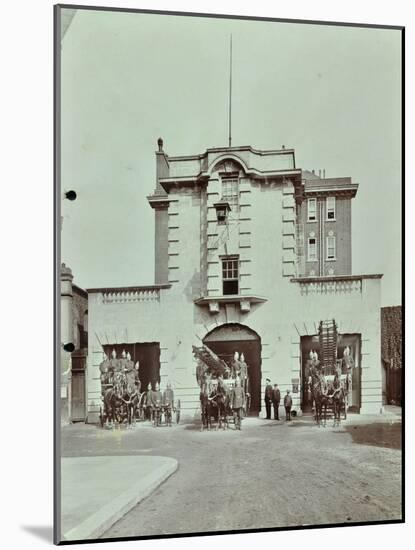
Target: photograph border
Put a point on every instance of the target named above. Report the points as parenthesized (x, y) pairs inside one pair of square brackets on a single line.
[(57, 193)]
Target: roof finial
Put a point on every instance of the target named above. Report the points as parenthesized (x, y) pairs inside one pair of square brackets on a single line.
[(160, 144), (230, 92)]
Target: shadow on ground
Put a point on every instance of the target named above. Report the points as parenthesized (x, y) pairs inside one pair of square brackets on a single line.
[(301, 424), (275, 424), (43, 532), (377, 435), (194, 426)]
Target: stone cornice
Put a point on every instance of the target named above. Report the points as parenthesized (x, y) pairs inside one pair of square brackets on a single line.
[(80, 291), (232, 150), (159, 201), (203, 177), (344, 191)]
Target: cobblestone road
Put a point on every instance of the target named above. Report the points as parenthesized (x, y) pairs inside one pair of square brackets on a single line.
[(271, 474)]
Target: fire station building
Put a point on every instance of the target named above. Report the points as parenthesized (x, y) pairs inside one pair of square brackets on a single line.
[(251, 253)]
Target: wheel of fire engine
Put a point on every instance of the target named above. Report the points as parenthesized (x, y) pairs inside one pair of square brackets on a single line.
[(178, 412)]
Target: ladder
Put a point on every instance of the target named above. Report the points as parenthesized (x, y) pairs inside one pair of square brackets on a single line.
[(328, 345), (215, 365)]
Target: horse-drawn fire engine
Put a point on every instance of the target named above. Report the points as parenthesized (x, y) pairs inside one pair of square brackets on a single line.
[(330, 379), (217, 381), (123, 402)]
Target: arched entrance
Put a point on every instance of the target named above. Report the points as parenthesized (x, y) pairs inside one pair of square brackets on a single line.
[(226, 339)]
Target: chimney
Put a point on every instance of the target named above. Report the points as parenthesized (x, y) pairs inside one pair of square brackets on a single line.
[(160, 206), (319, 173), (312, 171), (66, 305), (324, 173)]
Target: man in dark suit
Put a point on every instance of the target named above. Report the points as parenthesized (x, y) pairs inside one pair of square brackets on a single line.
[(276, 401), (268, 398)]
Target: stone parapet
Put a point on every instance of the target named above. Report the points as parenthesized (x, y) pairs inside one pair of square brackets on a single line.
[(349, 284)]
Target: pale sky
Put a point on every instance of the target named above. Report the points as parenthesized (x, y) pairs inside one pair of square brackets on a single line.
[(332, 93)]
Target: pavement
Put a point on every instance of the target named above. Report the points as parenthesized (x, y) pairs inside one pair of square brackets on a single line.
[(280, 473), (98, 491)]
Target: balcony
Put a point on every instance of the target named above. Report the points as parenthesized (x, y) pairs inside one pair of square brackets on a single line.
[(347, 284), (214, 302)]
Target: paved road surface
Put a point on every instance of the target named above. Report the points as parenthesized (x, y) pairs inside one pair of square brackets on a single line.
[(270, 474)]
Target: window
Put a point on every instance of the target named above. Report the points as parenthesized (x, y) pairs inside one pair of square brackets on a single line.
[(312, 249), (230, 275), (331, 248), (230, 191), (312, 210), (330, 208)]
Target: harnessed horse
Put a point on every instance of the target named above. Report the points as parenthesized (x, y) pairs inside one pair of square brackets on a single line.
[(208, 404), (113, 400), (319, 392), (130, 399), (223, 404), (324, 396)]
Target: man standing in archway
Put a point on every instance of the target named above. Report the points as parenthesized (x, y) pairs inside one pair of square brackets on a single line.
[(269, 394)]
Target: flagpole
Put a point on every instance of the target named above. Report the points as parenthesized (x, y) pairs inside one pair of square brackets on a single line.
[(230, 93)]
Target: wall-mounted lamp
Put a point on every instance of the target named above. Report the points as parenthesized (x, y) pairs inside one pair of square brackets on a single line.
[(70, 195), (69, 347)]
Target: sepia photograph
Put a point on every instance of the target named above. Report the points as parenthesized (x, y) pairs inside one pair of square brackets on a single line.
[(228, 211)]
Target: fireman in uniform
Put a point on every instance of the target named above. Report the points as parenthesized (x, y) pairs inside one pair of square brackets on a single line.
[(168, 402), (237, 403)]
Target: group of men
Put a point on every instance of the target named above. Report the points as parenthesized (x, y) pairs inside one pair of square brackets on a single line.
[(273, 397), (155, 400), (124, 365)]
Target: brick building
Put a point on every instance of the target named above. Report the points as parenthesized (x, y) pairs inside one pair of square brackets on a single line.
[(324, 226), (251, 254)]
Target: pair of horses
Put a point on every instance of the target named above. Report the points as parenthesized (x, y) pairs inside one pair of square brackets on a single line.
[(120, 402), (327, 397), (214, 403)]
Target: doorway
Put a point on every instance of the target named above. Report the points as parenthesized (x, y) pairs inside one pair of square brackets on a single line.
[(225, 340), (353, 341), (78, 386)]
